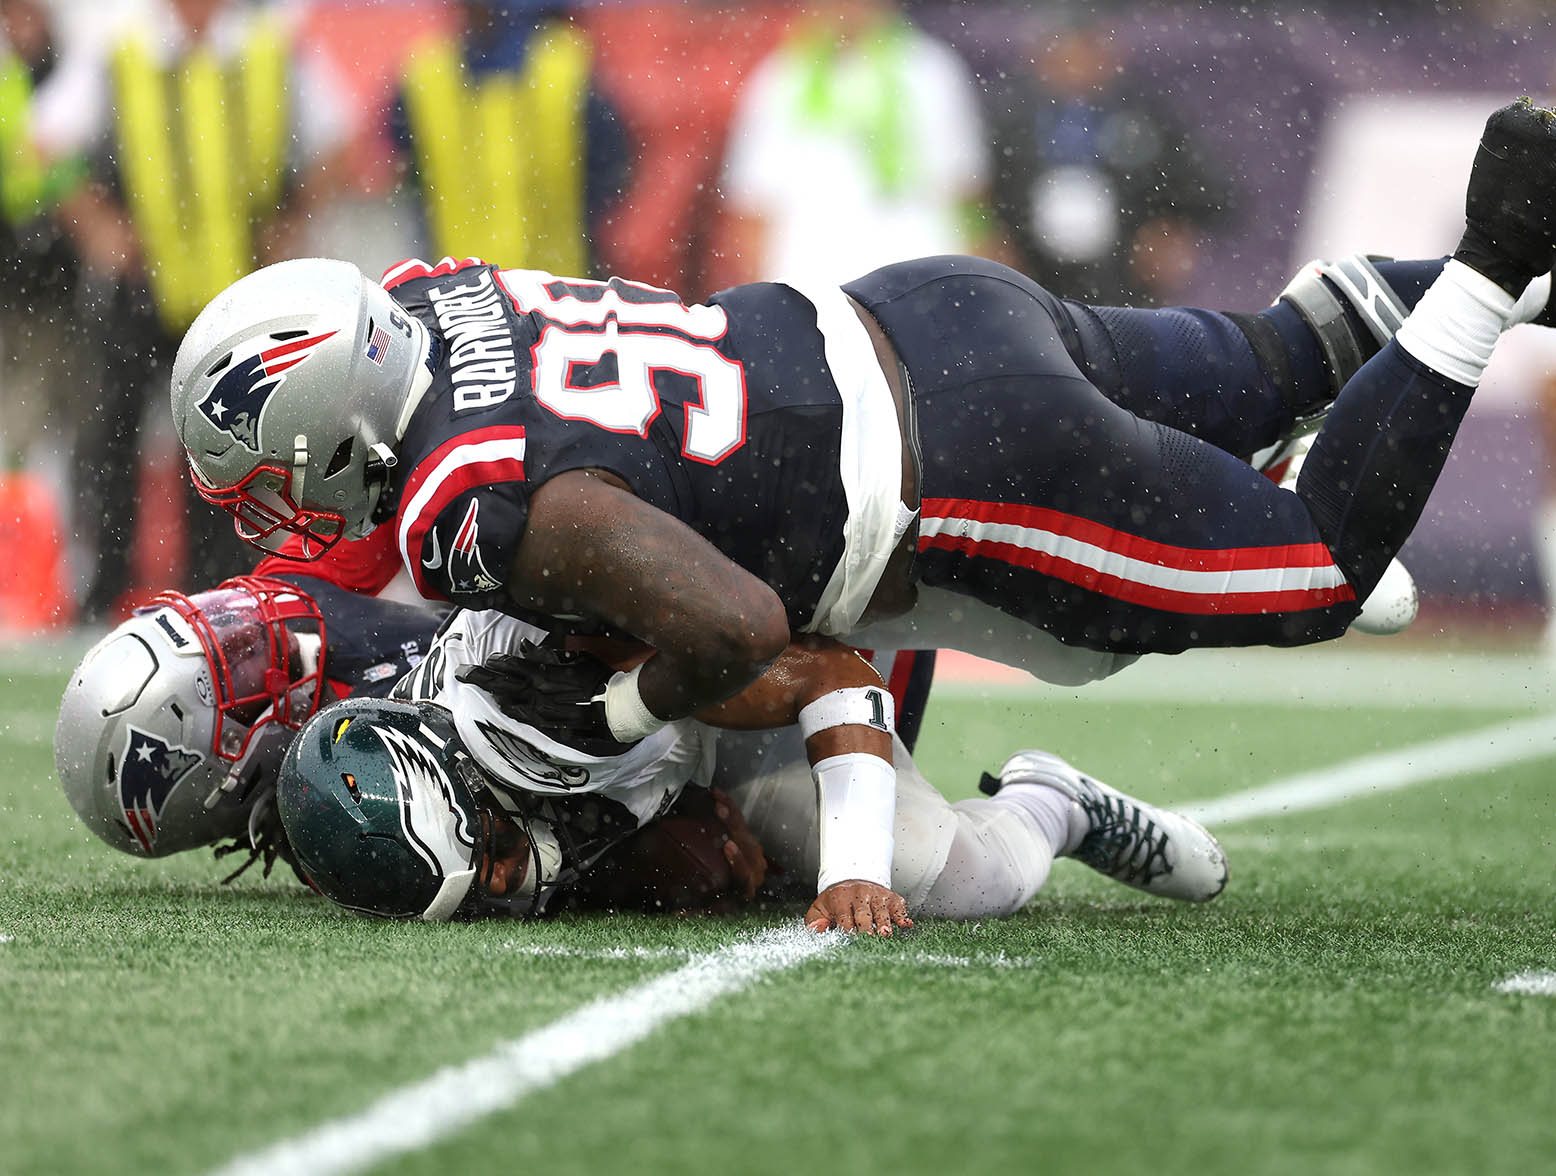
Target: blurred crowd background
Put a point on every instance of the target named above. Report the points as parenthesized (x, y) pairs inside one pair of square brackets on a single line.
[(152, 151)]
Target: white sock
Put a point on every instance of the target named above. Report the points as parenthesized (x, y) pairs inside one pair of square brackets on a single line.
[(1051, 809), (1456, 324)]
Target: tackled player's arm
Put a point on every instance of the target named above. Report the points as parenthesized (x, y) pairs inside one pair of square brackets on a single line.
[(835, 697), (808, 669), (845, 713), (592, 547)]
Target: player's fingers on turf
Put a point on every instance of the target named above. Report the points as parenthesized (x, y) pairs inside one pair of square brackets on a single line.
[(839, 908), (881, 908), (899, 910), (864, 915), (816, 918)]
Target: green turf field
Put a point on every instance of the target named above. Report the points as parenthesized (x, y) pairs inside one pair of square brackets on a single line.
[(1335, 1011)]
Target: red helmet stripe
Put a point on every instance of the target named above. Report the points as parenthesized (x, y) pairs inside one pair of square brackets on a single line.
[(291, 347)]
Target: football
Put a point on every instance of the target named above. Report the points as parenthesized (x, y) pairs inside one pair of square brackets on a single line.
[(675, 864)]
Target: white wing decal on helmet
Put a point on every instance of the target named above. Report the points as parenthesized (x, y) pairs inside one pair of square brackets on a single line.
[(436, 827)]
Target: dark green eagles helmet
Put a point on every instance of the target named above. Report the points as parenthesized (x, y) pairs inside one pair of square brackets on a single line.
[(379, 801)]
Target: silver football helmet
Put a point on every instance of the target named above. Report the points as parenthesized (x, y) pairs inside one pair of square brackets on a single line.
[(290, 392), (172, 727)]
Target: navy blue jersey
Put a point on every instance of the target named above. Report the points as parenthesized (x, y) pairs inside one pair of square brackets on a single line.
[(725, 416), (369, 644)]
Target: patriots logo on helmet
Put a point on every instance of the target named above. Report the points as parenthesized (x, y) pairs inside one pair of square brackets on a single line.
[(237, 400), (150, 770)]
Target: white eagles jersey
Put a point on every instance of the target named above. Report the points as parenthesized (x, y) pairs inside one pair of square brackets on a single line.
[(645, 780)]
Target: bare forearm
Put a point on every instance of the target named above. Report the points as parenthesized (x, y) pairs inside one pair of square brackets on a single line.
[(592, 548), (805, 672), (674, 687)]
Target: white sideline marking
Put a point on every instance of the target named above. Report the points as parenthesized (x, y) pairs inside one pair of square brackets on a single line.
[(1528, 984), (5, 939), (1371, 775), (916, 959), (456, 1096)]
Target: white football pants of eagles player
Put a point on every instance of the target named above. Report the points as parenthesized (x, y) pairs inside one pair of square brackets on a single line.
[(975, 859)]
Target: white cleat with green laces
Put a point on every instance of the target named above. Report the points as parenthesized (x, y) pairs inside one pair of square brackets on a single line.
[(1152, 849)]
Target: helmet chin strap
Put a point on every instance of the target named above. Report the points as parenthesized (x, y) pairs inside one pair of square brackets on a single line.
[(299, 466), (309, 647), (241, 773), (380, 460)]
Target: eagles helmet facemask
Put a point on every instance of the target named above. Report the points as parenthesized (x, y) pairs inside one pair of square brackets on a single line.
[(389, 816), (171, 727), (290, 391)]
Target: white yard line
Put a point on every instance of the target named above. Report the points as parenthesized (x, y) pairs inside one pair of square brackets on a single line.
[(1388, 771), (424, 1112), (913, 959), (1528, 984)]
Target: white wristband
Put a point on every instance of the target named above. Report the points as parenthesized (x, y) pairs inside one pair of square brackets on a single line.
[(1456, 324), (625, 714), (857, 799), (864, 706)]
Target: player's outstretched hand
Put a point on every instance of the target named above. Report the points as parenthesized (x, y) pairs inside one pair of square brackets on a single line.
[(747, 862), (867, 907), (562, 692)]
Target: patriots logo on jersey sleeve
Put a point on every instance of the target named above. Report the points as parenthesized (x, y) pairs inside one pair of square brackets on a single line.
[(466, 569), (236, 402), (150, 770)]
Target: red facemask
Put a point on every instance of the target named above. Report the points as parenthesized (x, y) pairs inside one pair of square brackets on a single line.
[(265, 514), (248, 629)]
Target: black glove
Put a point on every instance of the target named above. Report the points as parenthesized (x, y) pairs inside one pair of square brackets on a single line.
[(559, 691), (1510, 207)]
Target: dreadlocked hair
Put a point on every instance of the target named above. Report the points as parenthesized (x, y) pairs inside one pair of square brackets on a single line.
[(266, 842)]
